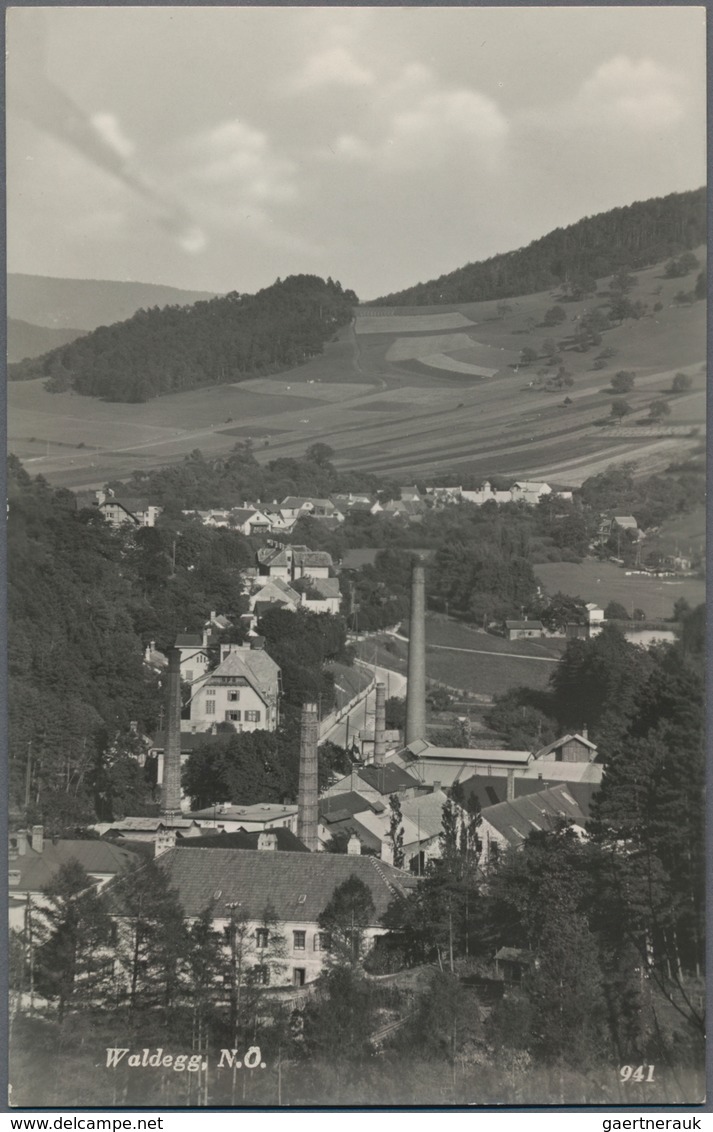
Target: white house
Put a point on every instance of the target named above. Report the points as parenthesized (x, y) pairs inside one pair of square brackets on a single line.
[(242, 690)]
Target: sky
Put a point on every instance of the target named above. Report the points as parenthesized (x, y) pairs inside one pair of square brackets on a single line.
[(217, 148)]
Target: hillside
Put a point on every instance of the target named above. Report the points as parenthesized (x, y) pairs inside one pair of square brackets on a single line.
[(220, 341), (635, 236), (25, 340), (86, 303)]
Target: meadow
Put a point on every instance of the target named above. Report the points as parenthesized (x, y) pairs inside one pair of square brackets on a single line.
[(604, 582), (409, 414)]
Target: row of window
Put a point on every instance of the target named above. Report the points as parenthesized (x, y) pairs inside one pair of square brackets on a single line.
[(322, 940), (233, 715)]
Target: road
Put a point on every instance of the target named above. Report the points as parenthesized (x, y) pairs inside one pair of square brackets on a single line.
[(362, 714)]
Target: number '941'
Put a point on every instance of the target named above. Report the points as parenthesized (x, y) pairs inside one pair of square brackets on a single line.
[(643, 1073)]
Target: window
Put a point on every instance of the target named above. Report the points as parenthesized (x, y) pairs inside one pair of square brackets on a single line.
[(233, 697), (210, 707), (252, 716), (298, 976), (262, 937), (261, 975), (210, 691), (299, 941), (322, 941), (232, 716)]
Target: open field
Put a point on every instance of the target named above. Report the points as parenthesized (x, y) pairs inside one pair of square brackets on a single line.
[(604, 582), (465, 657), (406, 417)]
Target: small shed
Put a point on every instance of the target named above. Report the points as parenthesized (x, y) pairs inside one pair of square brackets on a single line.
[(513, 963)]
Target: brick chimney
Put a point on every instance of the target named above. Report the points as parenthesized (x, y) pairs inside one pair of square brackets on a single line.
[(380, 725), (307, 798), (416, 687), (510, 795), (37, 838), (165, 840), (267, 840), (171, 786)]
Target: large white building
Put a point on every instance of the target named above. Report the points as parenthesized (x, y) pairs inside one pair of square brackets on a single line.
[(243, 690)]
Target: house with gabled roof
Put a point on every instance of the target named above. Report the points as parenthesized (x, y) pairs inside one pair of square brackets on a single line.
[(35, 860), (576, 748), (125, 510), (508, 824), (243, 690), (296, 887)]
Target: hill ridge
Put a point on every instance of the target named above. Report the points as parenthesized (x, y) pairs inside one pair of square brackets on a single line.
[(634, 236)]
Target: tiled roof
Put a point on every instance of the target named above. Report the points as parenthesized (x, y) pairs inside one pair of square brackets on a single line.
[(327, 587), (426, 813), (337, 807), (254, 664), (516, 820), (189, 641), (297, 885), (523, 625), (95, 856), (490, 789), (304, 557), (219, 839), (387, 779)]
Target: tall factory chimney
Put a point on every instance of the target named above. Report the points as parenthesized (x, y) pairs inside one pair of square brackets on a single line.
[(171, 786), (380, 725), (416, 688), (307, 798)]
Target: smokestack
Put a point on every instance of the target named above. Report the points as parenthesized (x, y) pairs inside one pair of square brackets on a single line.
[(171, 786), (307, 799), (416, 687), (510, 796), (380, 725)]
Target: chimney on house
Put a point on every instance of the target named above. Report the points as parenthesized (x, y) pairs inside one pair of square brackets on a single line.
[(510, 795), (38, 838), (165, 840), (416, 687), (267, 840), (21, 842), (354, 846), (307, 798), (171, 786), (380, 725), (213, 615), (583, 732)]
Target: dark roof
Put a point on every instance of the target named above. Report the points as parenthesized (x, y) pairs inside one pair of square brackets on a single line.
[(337, 807), (189, 641), (387, 779), (297, 885), (95, 856), (524, 625), (210, 839), (490, 789)]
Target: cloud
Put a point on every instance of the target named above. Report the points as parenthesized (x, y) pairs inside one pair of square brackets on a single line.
[(332, 66), (641, 94), (235, 157), (417, 121), (109, 129)]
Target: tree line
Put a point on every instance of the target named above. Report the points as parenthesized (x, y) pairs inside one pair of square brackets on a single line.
[(574, 257), (212, 342)]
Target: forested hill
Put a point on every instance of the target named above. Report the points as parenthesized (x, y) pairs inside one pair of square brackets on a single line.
[(636, 236), (180, 347)]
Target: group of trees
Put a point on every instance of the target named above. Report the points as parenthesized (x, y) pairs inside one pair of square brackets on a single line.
[(632, 237), (209, 343)]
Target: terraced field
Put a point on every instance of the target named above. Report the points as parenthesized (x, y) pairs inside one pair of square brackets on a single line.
[(412, 392)]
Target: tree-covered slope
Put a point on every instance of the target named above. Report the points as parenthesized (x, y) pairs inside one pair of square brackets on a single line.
[(222, 340), (635, 236)]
